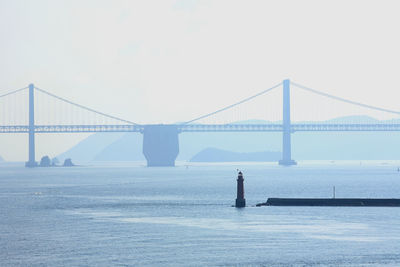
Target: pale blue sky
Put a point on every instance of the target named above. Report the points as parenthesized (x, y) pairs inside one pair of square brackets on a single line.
[(166, 61)]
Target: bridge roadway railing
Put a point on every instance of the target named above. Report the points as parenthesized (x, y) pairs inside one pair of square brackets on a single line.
[(301, 127), (72, 128), (230, 128), (307, 127), (14, 128)]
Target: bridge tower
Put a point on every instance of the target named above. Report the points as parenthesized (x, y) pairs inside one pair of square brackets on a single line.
[(160, 145), (286, 134), (31, 159)]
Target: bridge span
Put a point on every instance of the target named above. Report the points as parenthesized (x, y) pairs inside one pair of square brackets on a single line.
[(161, 141), (298, 127)]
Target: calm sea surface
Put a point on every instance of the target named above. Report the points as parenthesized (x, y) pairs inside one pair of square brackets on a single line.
[(128, 214)]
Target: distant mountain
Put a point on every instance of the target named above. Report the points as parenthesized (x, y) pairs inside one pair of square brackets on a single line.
[(1, 159), (353, 119), (88, 148), (126, 148), (212, 154)]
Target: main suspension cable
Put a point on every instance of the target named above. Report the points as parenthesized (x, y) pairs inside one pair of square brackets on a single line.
[(233, 105), (83, 107), (13, 92), (345, 100)]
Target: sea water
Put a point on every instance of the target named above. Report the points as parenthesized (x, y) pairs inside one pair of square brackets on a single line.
[(127, 214)]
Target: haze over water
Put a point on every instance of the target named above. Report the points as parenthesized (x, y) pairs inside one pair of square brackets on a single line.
[(128, 214)]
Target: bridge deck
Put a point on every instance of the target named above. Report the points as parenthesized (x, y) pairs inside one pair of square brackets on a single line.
[(305, 127)]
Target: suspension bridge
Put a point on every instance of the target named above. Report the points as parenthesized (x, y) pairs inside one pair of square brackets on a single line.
[(22, 111)]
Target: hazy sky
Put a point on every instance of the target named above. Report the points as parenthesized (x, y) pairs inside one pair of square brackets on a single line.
[(167, 61)]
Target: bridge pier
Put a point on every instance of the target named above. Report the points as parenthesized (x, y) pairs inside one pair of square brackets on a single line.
[(287, 131), (31, 154), (160, 145)]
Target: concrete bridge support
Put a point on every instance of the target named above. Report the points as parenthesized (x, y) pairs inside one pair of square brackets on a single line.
[(286, 134), (31, 158), (160, 145)]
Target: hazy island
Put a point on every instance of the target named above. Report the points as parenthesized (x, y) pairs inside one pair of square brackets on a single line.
[(47, 162)]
